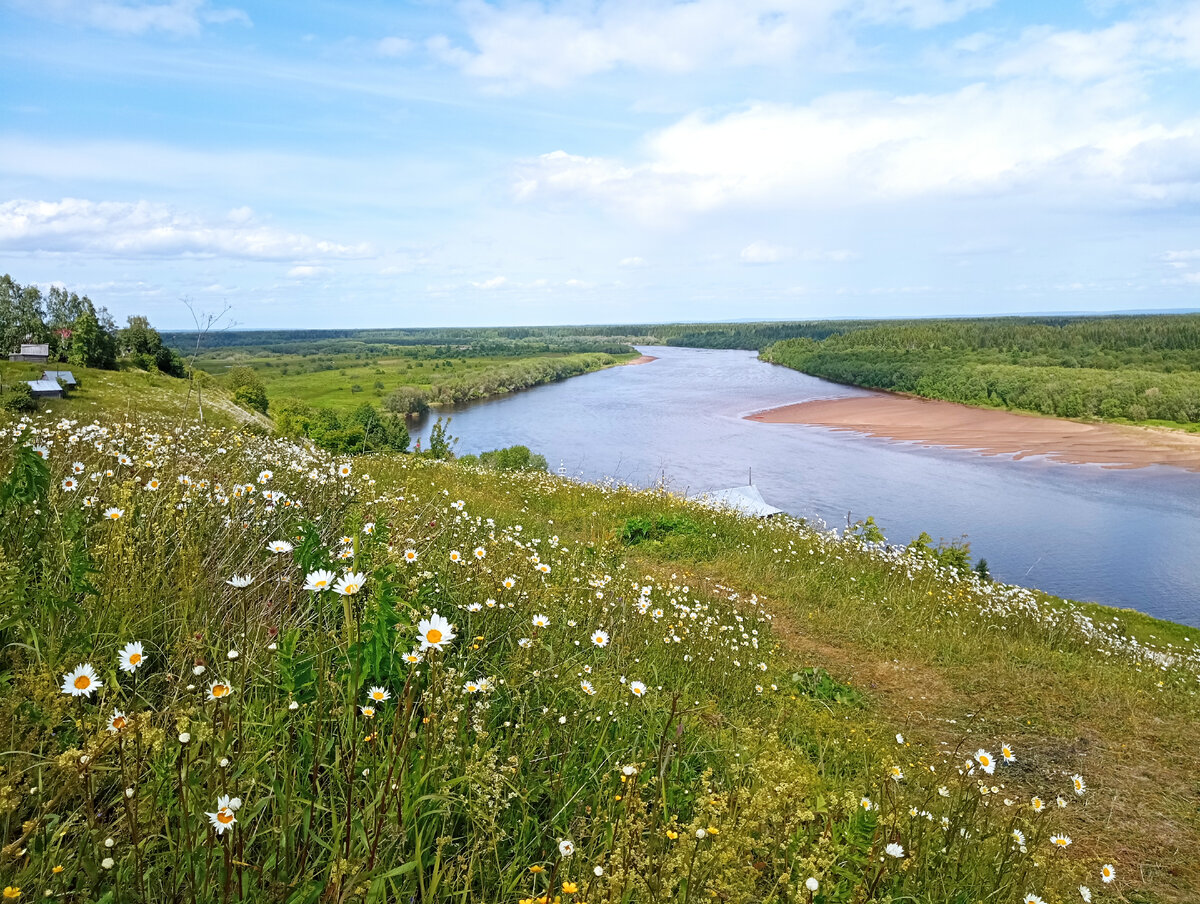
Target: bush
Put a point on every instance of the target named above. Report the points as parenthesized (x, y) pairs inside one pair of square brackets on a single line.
[(248, 390), (19, 399)]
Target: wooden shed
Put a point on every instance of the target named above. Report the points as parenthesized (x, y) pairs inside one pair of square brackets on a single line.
[(34, 353)]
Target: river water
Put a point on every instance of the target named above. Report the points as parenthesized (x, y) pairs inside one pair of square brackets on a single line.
[(1121, 537)]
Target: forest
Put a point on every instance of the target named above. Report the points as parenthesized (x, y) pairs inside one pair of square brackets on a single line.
[(1137, 368)]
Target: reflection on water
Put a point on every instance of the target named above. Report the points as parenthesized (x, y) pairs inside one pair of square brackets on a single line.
[(1122, 537)]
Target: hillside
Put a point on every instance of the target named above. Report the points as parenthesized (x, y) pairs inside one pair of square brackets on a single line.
[(131, 394), (630, 697)]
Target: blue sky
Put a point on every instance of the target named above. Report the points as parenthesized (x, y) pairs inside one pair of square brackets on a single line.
[(458, 163)]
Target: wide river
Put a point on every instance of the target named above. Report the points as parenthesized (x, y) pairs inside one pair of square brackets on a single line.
[(1122, 537)]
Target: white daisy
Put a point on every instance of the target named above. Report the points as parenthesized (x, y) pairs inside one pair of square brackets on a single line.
[(81, 681)]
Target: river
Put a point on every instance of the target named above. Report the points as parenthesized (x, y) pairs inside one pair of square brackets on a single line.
[(1120, 537)]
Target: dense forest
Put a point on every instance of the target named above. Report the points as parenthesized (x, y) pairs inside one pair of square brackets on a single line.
[(1135, 368)]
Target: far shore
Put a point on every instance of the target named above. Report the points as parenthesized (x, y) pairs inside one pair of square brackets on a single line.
[(993, 432), (644, 359)]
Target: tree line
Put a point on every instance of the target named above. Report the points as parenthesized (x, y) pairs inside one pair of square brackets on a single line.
[(1133, 368), (78, 332)]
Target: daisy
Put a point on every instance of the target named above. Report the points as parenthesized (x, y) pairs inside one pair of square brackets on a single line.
[(112, 514), (240, 581), (346, 541), (1086, 894), (455, 556), (470, 687), (78, 468), (223, 819), (41, 452), (474, 607), (279, 546), (435, 632), (1077, 781), (1060, 841), (1006, 752), (588, 688), (132, 656), (410, 555), (524, 642), (318, 580), (1107, 873), (350, 583), (480, 552), (510, 583), (986, 763), (412, 657), (894, 850), (82, 681), (153, 484), (368, 712), (543, 568), (566, 848), (344, 470), (219, 690), (1018, 836), (369, 527), (1031, 898), (866, 804), (117, 721), (1037, 805), (70, 484), (637, 688), (541, 621), (379, 694), (897, 773), (264, 476), (600, 638)]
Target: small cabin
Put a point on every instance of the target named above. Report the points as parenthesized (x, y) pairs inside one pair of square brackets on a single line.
[(45, 389), (64, 377), (34, 353)]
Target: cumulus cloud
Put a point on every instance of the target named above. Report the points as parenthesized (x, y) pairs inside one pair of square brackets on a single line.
[(307, 271), (522, 44), (631, 262), (142, 229), (177, 17), (1059, 141), (762, 253)]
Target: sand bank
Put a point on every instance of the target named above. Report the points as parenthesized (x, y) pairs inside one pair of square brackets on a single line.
[(936, 423), (644, 359)]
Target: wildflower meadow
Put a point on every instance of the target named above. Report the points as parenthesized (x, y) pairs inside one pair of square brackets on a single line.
[(236, 668)]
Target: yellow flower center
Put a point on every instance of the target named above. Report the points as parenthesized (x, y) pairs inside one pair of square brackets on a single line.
[(433, 635), (219, 690), (118, 723), (352, 588), (135, 658), (225, 816), (83, 682)]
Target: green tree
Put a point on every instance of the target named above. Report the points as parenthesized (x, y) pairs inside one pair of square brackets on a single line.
[(90, 344), (248, 390)]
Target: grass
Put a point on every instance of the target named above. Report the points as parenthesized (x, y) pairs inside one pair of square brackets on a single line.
[(330, 380), (774, 666), (131, 394)]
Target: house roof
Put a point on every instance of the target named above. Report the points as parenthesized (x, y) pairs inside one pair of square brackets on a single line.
[(35, 348), (745, 500), (44, 386), (65, 375)]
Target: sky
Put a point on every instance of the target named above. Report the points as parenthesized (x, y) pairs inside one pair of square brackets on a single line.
[(388, 164)]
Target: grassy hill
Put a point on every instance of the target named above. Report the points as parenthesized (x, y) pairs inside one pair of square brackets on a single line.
[(131, 394), (639, 699)]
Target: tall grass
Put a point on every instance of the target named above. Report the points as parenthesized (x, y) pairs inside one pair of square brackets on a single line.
[(599, 728)]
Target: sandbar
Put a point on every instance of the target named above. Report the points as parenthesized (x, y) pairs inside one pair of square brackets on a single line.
[(932, 422)]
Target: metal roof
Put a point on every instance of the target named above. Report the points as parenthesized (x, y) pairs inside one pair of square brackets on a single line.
[(65, 375), (42, 348), (44, 386), (745, 500)]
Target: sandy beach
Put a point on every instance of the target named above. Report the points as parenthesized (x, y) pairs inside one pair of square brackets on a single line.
[(644, 359), (935, 423)]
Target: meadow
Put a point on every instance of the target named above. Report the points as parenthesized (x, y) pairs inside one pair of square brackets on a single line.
[(237, 668)]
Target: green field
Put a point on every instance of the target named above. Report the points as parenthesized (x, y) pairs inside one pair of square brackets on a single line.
[(346, 380), (757, 684)]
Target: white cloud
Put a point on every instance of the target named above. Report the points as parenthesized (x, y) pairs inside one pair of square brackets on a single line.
[(178, 17), (142, 229), (307, 271), (393, 46), (523, 44), (494, 283), (762, 253), (631, 262), (1055, 140)]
